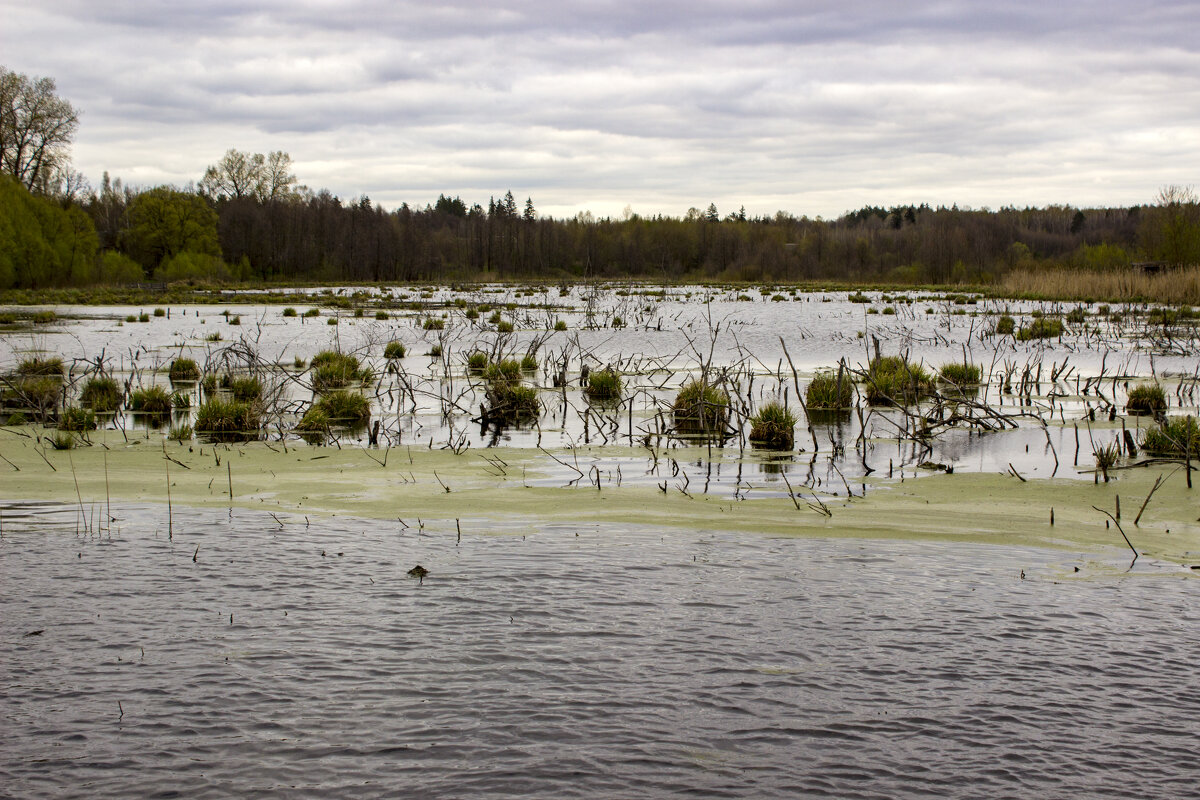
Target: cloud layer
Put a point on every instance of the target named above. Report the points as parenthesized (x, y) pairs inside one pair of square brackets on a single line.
[(813, 107)]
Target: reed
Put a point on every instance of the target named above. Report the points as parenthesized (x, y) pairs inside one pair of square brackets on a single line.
[(604, 386), (773, 426), (826, 392), (1146, 399), (1171, 286), (700, 407), (101, 394)]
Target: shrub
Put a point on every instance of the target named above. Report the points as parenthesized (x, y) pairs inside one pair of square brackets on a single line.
[(358, 313), (604, 386), (1176, 436), (160, 312), (773, 426), (101, 394), (826, 393), (74, 418), (62, 440), (1006, 325), (617, 322), (331, 321), (701, 407), (154, 400), (394, 350), (961, 373), (334, 370), (227, 420), (858, 297), (891, 380), (184, 369), (298, 362), (1146, 399), (289, 312), (1040, 328)]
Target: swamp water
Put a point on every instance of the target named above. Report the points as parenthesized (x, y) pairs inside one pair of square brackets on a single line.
[(719, 642), (252, 656)]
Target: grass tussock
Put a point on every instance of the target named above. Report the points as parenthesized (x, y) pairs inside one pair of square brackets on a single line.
[(961, 373), (773, 426), (826, 392), (1040, 328), (183, 369), (1176, 436), (333, 370), (227, 420), (339, 407), (101, 394), (512, 403), (76, 419), (1005, 326), (1148, 398), (152, 400), (891, 380), (701, 407), (394, 350), (604, 386)]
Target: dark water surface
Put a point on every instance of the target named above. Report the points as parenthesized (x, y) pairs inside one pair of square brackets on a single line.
[(579, 662)]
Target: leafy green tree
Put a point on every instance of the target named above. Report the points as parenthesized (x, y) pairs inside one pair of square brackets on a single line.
[(164, 222), (42, 243)]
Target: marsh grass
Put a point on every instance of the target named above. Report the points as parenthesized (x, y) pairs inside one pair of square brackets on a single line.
[(246, 389), (890, 380), (773, 426), (180, 433), (826, 393), (1005, 326), (604, 386), (340, 407), (1107, 458), (1040, 328), (505, 370), (152, 400), (1173, 286), (477, 362), (74, 418), (961, 373), (1147, 398), (434, 324), (333, 370), (510, 402), (394, 350), (1176, 436), (40, 367), (700, 407), (183, 369), (101, 394), (227, 420)]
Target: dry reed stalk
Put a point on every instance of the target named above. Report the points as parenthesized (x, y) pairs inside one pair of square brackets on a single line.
[(1172, 286)]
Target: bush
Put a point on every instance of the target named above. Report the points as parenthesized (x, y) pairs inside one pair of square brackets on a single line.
[(825, 393), (773, 426), (1006, 325), (1177, 436), (101, 394), (1041, 328), (227, 420), (529, 362), (289, 312), (504, 326), (381, 315), (892, 381), (1077, 315), (154, 400), (701, 407), (160, 312), (1146, 399), (604, 386), (74, 418), (961, 373), (184, 369), (394, 350)]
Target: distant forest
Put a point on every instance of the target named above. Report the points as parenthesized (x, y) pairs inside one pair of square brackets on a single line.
[(247, 219)]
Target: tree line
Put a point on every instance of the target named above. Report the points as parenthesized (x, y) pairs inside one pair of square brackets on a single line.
[(248, 219)]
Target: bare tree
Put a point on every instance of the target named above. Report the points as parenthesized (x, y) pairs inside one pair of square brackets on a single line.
[(250, 175), (36, 128)]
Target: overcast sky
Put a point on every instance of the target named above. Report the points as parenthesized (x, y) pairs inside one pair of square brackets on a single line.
[(810, 107)]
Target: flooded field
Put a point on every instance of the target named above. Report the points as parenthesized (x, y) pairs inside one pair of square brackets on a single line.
[(259, 656), (953, 584)]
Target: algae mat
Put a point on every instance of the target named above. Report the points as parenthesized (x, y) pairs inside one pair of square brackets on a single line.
[(504, 490)]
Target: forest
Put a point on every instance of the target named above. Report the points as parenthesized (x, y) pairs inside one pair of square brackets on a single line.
[(247, 219)]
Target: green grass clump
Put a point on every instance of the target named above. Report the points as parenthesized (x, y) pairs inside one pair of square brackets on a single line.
[(510, 402), (333, 370), (160, 312), (1040, 328), (184, 369), (1146, 399), (773, 426), (246, 389), (701, 407), (961, 373), (1177, 436), (434, 324), (181, 400), (893, 381), (529, 362), (394, 350), (74, 418), (1006, 325), (1076, 316), (40, 367), (506, 370), (604, 386), (477, 362), (227, 420), (504, 326), (62, 440), (44, 317), (289, 312), (336, 408), (180, 433), (381, 315), (560, 325), (153, 400), (313, 312), (825, 393), (101, 394)]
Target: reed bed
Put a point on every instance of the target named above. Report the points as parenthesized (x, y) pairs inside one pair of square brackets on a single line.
[(1171, 286)]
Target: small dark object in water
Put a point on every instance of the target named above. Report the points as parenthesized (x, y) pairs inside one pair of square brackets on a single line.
[(936, 466), (418, 572), (36, 633)]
